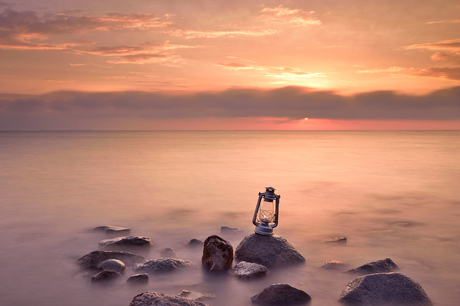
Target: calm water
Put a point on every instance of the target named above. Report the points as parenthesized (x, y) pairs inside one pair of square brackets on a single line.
[(393, 194)]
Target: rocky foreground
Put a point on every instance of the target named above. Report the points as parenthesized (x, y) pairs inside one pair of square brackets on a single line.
[(377, 283)]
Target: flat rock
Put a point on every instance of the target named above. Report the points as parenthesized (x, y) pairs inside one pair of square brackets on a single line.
[(267, 250), (217, 254), (93, 259), (389, 289), (113, 264), (161, 265), (137, 243), (247, 270), (110, 229), (160, 299), (380, 266), (105, 276), (281, 294), (196, 296), (138, 279)]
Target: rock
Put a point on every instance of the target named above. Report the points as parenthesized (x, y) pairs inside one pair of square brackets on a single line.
[(390, 289), (93, 259), (168, 252), (113, 264), (109, 229), (380, 266), (138, 279), (246, 270), (194, 243), (338, 240), (217, 254), (105, 276), (160, 299), (268, 251), (161, 265), (230, 230), (333, 265), (197, 296), (138, 243), (281, 294)]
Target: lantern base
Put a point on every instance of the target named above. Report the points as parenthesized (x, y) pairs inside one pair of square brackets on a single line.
[(262, 229)]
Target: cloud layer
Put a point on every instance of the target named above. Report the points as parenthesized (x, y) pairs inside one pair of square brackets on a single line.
[(289, 102)]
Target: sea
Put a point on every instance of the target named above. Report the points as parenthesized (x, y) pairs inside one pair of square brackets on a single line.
[(392, 194)]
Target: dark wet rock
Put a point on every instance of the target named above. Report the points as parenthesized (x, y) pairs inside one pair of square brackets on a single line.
[(246, 270), (340, 240), (113, 264), (281, 294), (168, 252), (161, 265), (194, 243), (230, 230), (105, 276), (160, 299), (389, 289), (93, 259), (380, 266), (267, 250), (138, 243), (138, 279), (112, 230), (217, 254), (333, 265)]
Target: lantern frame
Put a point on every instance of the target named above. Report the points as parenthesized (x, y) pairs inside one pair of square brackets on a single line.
[(265, 228)]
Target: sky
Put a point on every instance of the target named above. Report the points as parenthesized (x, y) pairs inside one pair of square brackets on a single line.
[(237, 65)]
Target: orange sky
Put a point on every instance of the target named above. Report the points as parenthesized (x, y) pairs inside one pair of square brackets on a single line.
[(185, 48)]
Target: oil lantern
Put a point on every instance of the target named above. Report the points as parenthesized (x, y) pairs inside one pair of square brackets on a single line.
[(267, 212)]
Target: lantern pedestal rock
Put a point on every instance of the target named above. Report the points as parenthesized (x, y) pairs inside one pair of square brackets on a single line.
[(267, 250)]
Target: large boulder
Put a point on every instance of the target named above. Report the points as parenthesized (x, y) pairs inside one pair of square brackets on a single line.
[(160, 299), (281, 294), (161, 265), (217, 254), (390, 289), (268, 251), (93, 259), (105, 276), (113, 264), (247, 270), (380, 266), (136, 243)]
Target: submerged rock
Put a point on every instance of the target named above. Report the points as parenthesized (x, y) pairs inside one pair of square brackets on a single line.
[(230, 230), (339, 240), (281, 294), (105, 276), (168, 252), (138, 243), (246, 270), (390, 289), (196, 296), (161, 265), (93, 259), (217, 254), (268, 251), (380, 266), (333, 265), (113, 264), (109, 229), (194, 243), (137, 279), (160, 299)]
